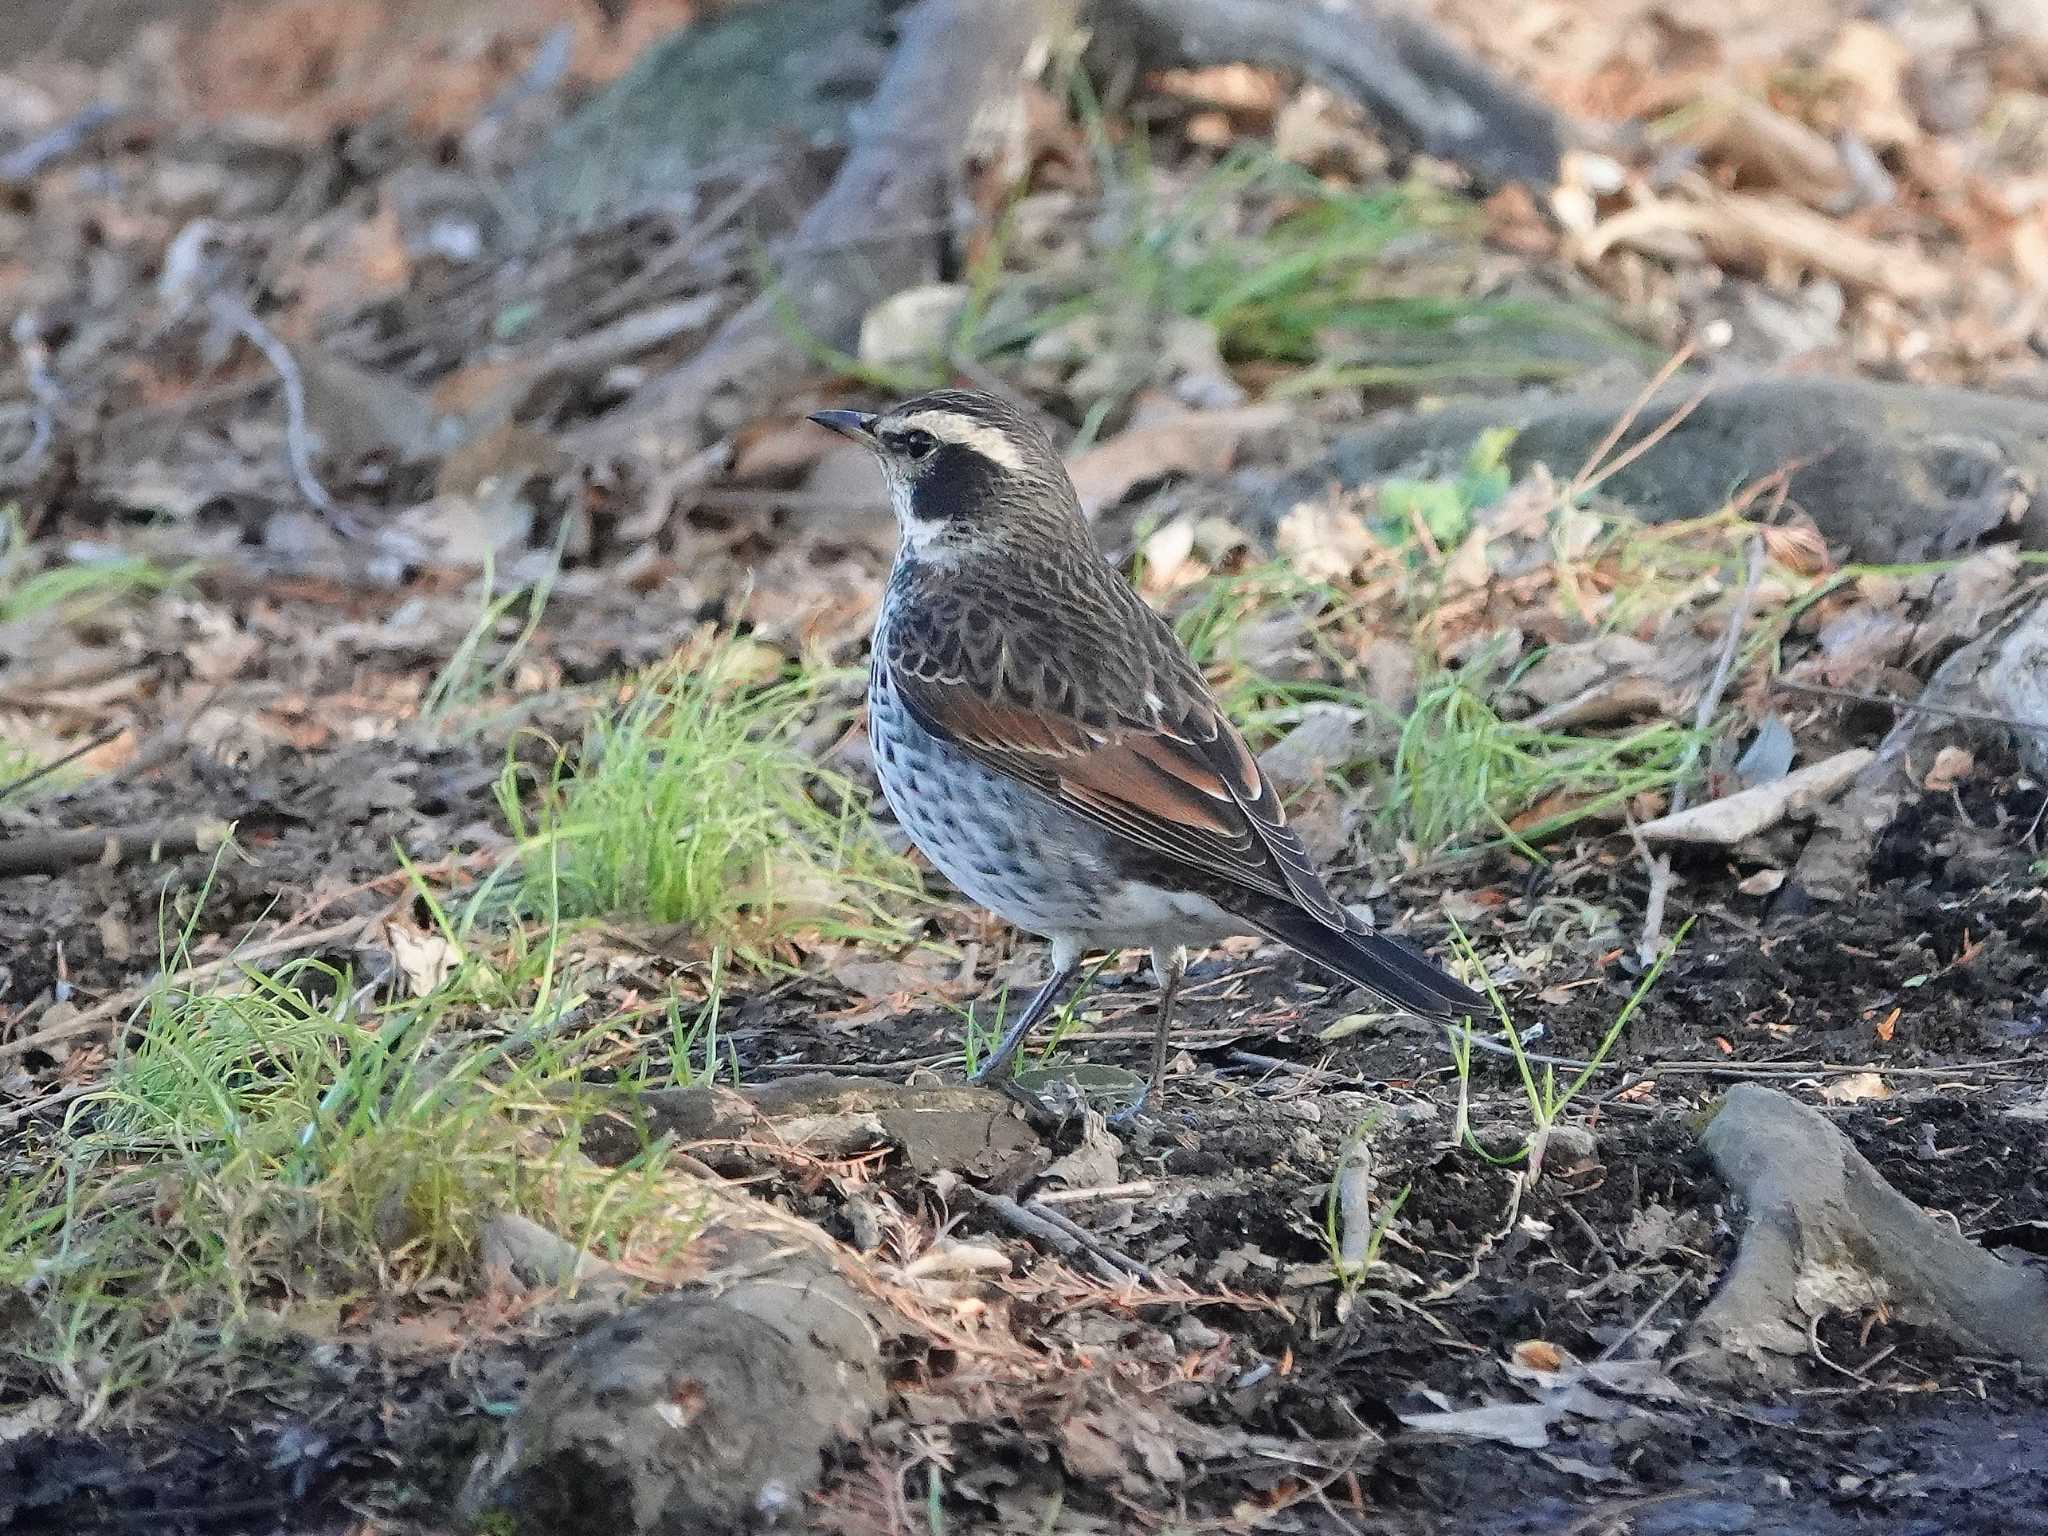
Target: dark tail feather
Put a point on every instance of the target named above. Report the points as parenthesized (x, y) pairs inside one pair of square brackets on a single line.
[(1384, 967)]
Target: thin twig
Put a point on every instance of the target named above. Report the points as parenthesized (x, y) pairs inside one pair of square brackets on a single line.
[(156, 749), (1659, 865), (35, 774), (1128, 1191), (1643, 1320), (1040, 1225), (1988, 1071), (1614, 1513), (298, 435), (1108, 1253), (44, 1105), (1910, 706), (1593, 471)]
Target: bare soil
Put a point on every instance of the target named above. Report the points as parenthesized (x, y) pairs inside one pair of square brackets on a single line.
[(1277, 1390)]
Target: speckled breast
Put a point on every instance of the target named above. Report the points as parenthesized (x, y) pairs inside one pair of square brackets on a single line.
[(1001, 843)]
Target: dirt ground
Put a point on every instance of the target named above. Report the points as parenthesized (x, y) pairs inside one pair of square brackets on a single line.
[(1285, 1394)]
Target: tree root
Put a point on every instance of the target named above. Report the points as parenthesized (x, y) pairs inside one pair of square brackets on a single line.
[(705, 1410), (1825, 1232), (1396, 66), (951, 96), (1888, 472)]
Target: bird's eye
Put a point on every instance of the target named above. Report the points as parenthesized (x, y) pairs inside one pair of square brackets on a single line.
[(916, 445)]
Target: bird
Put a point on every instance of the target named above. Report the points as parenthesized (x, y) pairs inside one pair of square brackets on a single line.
[(1042, 735)]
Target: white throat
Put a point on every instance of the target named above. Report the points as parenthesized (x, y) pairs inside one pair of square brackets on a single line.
[(923, 537)]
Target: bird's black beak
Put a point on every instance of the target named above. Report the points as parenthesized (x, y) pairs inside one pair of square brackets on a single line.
[(857, 425)]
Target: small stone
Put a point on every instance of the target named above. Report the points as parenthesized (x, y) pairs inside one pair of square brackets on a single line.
[(912, 327), (1570, 1144)]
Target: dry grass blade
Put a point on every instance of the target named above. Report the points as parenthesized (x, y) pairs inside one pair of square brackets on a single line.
[(1659, 865), (1598, 468)]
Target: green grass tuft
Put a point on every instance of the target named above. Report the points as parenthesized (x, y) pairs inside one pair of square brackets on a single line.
[(274, 1148), (79, 585), (1547, 1100), (1287, 270), (692, 804), (1461, 769), (468, 677)]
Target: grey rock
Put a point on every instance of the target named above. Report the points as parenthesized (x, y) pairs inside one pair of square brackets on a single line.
[(1889, 472)]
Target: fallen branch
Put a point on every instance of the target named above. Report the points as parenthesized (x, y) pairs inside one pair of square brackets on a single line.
[(1725, 822), (1743, 227), (946, 97), (1825, 1232), (1064, 1237), (1397, 66), (52, 853)]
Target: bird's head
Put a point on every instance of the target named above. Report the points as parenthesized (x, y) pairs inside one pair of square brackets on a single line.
[(964, 470)]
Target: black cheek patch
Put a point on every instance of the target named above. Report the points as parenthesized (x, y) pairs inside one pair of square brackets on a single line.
[(955, 484)]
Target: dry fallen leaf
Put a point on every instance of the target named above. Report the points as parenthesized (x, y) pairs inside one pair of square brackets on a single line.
[(425, 959), (1167, 562), (1951, 766), (1183, 443), (1323, 543), (1854, 1087), (1539, 1355), (1093, 1163), (1762, 883)]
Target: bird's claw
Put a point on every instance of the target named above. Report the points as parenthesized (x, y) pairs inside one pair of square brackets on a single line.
[(1130, 1112)]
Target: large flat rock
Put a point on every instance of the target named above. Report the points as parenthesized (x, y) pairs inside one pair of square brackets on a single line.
[(1887, 471)]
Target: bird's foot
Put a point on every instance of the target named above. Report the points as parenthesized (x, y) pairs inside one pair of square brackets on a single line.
[(1130, 1112)]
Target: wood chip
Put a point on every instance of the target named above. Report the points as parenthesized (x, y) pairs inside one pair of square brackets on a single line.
[(1725, 822), (1741, 227)]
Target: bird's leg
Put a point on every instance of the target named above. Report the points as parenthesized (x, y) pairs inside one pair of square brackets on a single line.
[(1169, 965), (1066, 963)]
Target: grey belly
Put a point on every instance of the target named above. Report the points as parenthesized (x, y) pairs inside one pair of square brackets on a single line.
[(1004, 845)]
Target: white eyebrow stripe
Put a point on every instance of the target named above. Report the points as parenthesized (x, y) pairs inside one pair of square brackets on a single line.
[(951, 427)]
